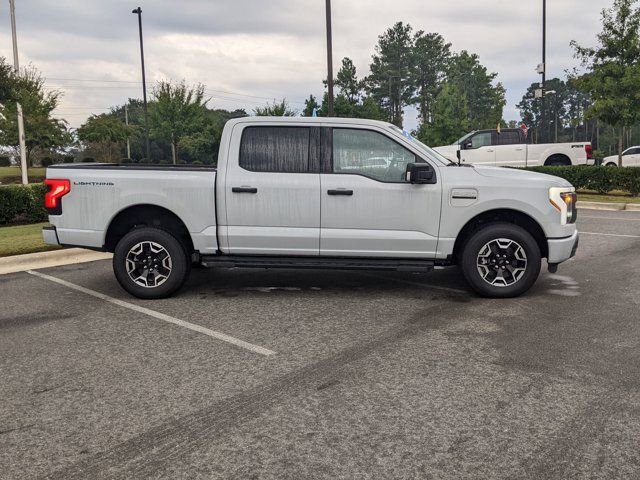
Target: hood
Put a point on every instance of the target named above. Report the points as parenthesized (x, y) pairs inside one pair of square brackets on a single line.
[(515, 175)]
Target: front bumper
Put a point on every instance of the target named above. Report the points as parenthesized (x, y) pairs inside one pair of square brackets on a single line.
[(50, 236), (562, 249)]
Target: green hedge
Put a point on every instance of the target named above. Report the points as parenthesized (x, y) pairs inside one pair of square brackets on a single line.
[(22, 204), (599, 179)]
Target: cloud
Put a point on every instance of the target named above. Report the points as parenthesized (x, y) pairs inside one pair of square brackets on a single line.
[(249, 51)]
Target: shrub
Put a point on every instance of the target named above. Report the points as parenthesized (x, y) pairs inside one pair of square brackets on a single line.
[(67, 159), (88, 160), (22, 204), (5, 162), (599, 179)]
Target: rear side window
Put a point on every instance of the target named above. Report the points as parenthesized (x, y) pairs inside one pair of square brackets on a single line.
[(507, 138), (275, 149)]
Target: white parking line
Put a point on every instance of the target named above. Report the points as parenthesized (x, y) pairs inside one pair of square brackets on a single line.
[(609, 234), (158, 315)]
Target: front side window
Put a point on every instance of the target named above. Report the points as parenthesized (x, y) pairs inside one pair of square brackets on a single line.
[(371, 154), (481, 140), (275, 149)]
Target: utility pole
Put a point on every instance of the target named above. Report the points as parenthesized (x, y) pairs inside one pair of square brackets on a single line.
[(329, 59), (16, 66), (126, 121), (138, 11)]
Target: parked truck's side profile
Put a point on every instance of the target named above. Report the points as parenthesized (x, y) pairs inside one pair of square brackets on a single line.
[(315, 193), (509, 148)]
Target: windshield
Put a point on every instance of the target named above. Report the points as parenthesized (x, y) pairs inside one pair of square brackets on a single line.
[(429, 152), (462, 140)]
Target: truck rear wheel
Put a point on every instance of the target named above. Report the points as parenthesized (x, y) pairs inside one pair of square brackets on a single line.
[(150, 263), (501, 260)]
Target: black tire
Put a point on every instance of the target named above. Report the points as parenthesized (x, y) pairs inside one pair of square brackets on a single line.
[(557, 161), (611, 164), (505, 265), (169, 274)]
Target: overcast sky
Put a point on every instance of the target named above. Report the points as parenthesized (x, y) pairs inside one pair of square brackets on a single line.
[(249, 51)]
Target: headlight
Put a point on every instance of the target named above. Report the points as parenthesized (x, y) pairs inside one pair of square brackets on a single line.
[(564, 200)]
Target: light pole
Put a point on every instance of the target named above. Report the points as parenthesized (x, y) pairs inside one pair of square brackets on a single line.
[(16, 66), (329, 58), (138, 11)]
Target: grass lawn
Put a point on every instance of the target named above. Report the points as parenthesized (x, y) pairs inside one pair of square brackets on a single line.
[(22, 239), (612, 197), (12, 174)]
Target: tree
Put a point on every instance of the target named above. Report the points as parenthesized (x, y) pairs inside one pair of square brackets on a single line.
[(556, 114), (104, 130), (613, 77), (42, 131), (451, 117), (347, 81), (178, 112), (485, 100), (390, 81), (310, 105), (275, 109), (431, 55)]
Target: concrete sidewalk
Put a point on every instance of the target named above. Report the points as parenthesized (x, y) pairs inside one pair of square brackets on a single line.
[(67, 256)]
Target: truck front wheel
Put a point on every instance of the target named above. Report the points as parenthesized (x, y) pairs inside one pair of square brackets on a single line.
[(150, 263), (501, 260)]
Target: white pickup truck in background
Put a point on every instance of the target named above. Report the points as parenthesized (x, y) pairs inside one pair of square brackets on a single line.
[(315, 193), (509, 148)]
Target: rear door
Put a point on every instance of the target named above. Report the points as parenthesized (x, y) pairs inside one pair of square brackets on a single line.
[(479, 150), (272, 190), (367, 207), (510, 150)]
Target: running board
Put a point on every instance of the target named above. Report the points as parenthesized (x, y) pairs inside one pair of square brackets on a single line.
[(237, 261)]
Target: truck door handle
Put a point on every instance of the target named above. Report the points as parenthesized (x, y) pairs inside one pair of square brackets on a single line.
[(519, 149), (489, 150), (340, 192), (244, 190)]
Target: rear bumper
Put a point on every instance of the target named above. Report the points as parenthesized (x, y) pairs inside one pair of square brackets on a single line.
[(50, 236), (562, 249)]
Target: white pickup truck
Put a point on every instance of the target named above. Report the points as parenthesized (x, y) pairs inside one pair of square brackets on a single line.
[(315, 193), (509, 148)]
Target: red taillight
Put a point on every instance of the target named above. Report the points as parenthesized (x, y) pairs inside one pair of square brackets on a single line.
[(589, 150), (57, 190)]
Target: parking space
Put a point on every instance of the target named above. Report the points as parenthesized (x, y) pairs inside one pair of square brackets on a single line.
[(354, 374)]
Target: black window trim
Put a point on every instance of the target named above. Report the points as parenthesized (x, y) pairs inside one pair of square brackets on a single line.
[(327, 160), (313, 164)]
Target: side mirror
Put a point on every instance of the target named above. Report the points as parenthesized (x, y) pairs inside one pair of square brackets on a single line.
[(467, 145), (420, 173)]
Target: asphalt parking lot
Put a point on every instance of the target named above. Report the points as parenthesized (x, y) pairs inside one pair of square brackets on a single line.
[(324, 374)]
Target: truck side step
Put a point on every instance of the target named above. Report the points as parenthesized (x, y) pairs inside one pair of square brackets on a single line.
[(337, 263)]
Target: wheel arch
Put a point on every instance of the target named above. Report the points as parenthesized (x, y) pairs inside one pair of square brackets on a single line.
[(558, 157), (506, 215), (146, 215)]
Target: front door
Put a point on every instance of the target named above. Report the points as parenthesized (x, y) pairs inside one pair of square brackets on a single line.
[(367, 207), (272, 192), (479, 150)]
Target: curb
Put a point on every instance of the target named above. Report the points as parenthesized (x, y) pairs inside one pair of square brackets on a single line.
[(56, 258), (602, 205), (634, 207)]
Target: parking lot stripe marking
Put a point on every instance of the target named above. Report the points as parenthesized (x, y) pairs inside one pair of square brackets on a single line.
[(160, 316), (610, 234), (417, 284)]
